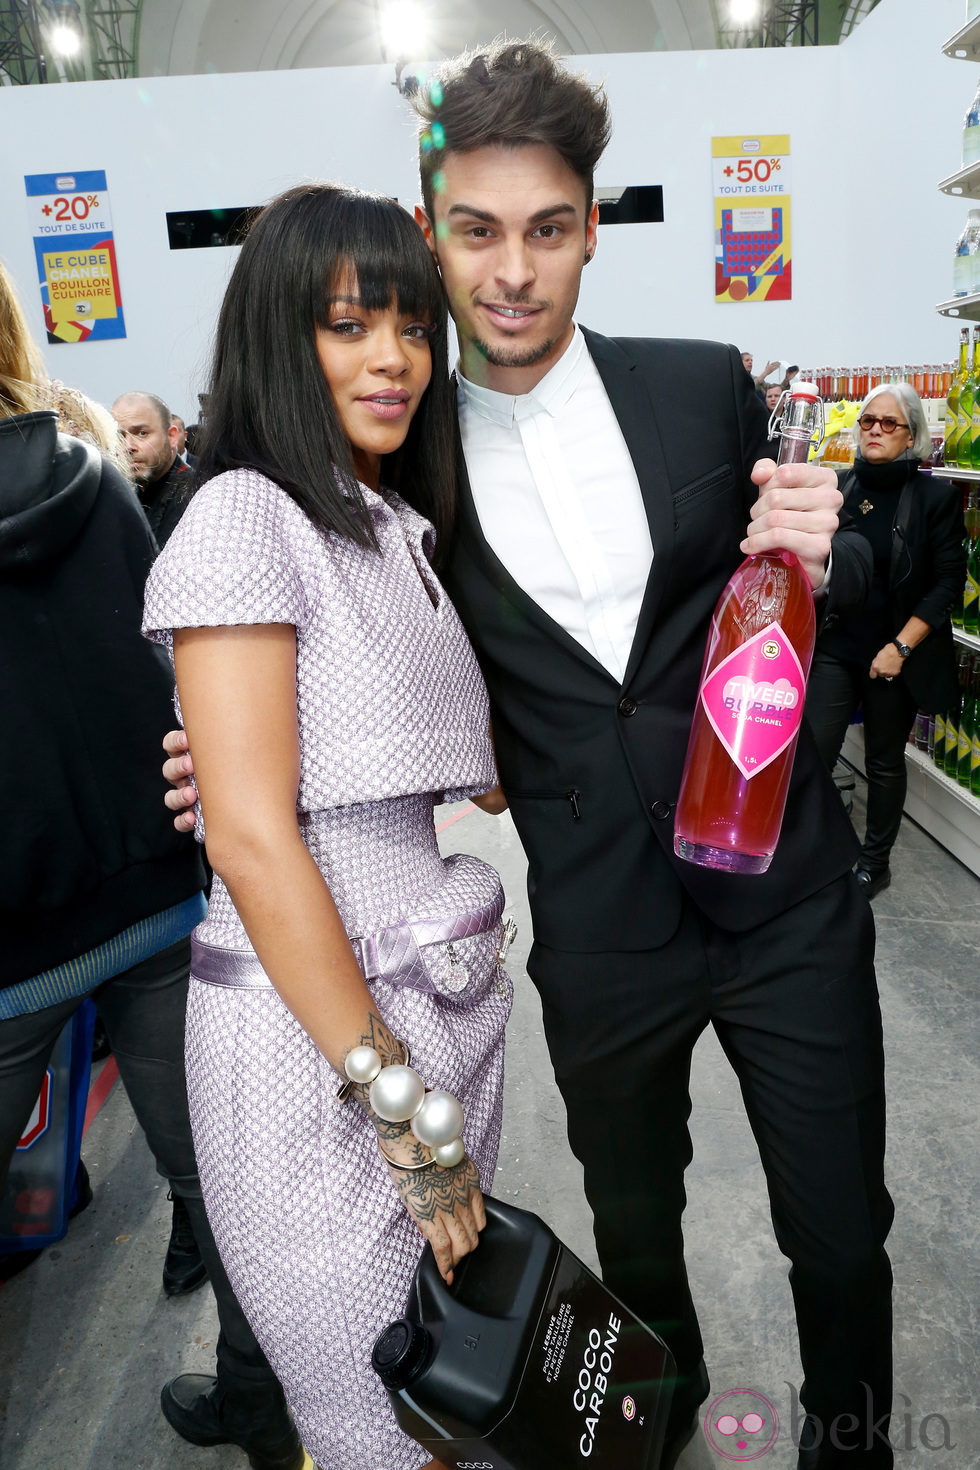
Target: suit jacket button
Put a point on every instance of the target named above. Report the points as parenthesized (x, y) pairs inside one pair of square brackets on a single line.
[(661, 810), (627, 706)]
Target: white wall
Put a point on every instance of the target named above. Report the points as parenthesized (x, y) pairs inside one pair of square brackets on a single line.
[(872, 245)]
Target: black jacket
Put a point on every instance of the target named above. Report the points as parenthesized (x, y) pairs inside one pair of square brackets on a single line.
[(165, 500), (925, 580), (88, 847), (602, 872)]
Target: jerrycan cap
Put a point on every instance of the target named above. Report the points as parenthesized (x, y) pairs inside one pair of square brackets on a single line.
[(400, 1353)]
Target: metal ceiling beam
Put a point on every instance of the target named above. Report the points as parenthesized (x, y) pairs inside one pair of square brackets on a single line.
[(790, 23), (109, 34), (22, 56), (793, 22)]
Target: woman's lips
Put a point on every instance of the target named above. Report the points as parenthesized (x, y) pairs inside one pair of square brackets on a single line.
[(387, 405)]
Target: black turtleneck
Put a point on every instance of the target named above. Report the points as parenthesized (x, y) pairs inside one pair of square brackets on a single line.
[(165, 500), (873, 504)]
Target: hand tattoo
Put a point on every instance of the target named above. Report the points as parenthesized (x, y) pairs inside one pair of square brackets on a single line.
[(392, 1052), (434, 1191)]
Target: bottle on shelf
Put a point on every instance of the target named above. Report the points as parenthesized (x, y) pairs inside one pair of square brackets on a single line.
[(952, 746), (971, 589), (953, 399), (971, 454), (969, 389), (969, 516), (750, 699), (967, 724), (920, 731), (971, 131), (966, 267), (939, 739)]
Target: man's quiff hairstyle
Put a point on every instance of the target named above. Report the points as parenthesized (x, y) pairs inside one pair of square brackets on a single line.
[(510, 94)]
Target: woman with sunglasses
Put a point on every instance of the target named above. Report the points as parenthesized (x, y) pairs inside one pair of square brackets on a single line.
[(331, 699), (896, 655)]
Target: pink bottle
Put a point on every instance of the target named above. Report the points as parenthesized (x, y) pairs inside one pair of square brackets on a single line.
[(753, 685)]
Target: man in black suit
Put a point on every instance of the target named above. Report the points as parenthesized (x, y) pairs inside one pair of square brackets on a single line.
[(150, 434), (605, 489)]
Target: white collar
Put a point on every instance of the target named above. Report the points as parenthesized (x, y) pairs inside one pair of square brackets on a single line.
[(548, 396)]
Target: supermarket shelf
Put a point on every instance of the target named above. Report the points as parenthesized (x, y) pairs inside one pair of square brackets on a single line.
[(965, 183), (949, 472), (965, 307), (938, 804), (934, 801), (965, 44)]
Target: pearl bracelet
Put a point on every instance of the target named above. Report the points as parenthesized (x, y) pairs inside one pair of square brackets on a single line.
[(398, 1095), (409, 1168)]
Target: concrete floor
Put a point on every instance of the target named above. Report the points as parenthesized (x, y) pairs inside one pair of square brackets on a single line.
[(87, 1337)]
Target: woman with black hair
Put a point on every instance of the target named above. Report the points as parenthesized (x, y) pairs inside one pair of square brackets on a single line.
[(330, 698)]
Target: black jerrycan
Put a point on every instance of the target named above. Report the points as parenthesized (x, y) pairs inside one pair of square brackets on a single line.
[(526, 1361)]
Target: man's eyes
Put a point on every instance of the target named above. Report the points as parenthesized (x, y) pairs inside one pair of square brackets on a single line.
[(542, 232)]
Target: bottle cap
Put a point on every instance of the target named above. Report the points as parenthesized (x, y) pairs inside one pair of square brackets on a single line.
[(400, 1353), (803, 390)]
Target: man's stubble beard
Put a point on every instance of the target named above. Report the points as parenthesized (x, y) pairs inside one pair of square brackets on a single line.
[(146, 477), (516, 358)]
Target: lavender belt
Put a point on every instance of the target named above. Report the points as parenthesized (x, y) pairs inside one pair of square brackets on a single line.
[(393, 954)]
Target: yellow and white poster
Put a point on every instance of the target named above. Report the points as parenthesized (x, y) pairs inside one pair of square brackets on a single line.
[(753, 255), (76, 256)]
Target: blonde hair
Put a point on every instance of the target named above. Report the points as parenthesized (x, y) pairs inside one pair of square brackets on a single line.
[(21, 369), (83, 418), (26, 388)]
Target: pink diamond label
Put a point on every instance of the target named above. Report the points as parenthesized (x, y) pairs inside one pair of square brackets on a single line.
[(754, 699)]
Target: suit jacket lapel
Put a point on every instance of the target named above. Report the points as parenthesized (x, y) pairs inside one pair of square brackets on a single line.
[(637, 418), (470, 532)]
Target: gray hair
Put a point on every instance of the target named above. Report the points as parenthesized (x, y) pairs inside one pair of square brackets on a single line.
[(911, 403)]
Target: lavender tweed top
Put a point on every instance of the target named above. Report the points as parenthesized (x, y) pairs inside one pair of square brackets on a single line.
[(390, 699)]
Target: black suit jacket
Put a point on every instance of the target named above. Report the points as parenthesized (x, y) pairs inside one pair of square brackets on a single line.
[(592, 768), (925, 580)]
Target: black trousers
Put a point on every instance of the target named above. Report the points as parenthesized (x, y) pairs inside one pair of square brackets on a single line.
[(794, 1003), (834, 691), (143, 1011)]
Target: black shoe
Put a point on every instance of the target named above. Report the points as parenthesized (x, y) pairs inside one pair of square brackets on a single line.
[(257, 1420), (183, 1270), (683, 1419), (677, 1441), (871, 884), (13, 1262), (83, 1191), (100, 1041)]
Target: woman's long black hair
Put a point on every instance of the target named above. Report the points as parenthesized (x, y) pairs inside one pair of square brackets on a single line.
[(269, 407)]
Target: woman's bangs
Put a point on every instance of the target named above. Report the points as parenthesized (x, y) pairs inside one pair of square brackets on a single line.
[(387, 254)]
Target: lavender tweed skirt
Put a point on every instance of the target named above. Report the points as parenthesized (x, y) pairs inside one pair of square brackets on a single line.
[(319, 1249)]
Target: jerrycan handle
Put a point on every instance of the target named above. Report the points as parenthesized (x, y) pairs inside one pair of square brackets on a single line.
[(505, 1276)]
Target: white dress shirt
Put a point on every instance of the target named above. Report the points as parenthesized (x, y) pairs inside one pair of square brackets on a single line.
[(559, 502)]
